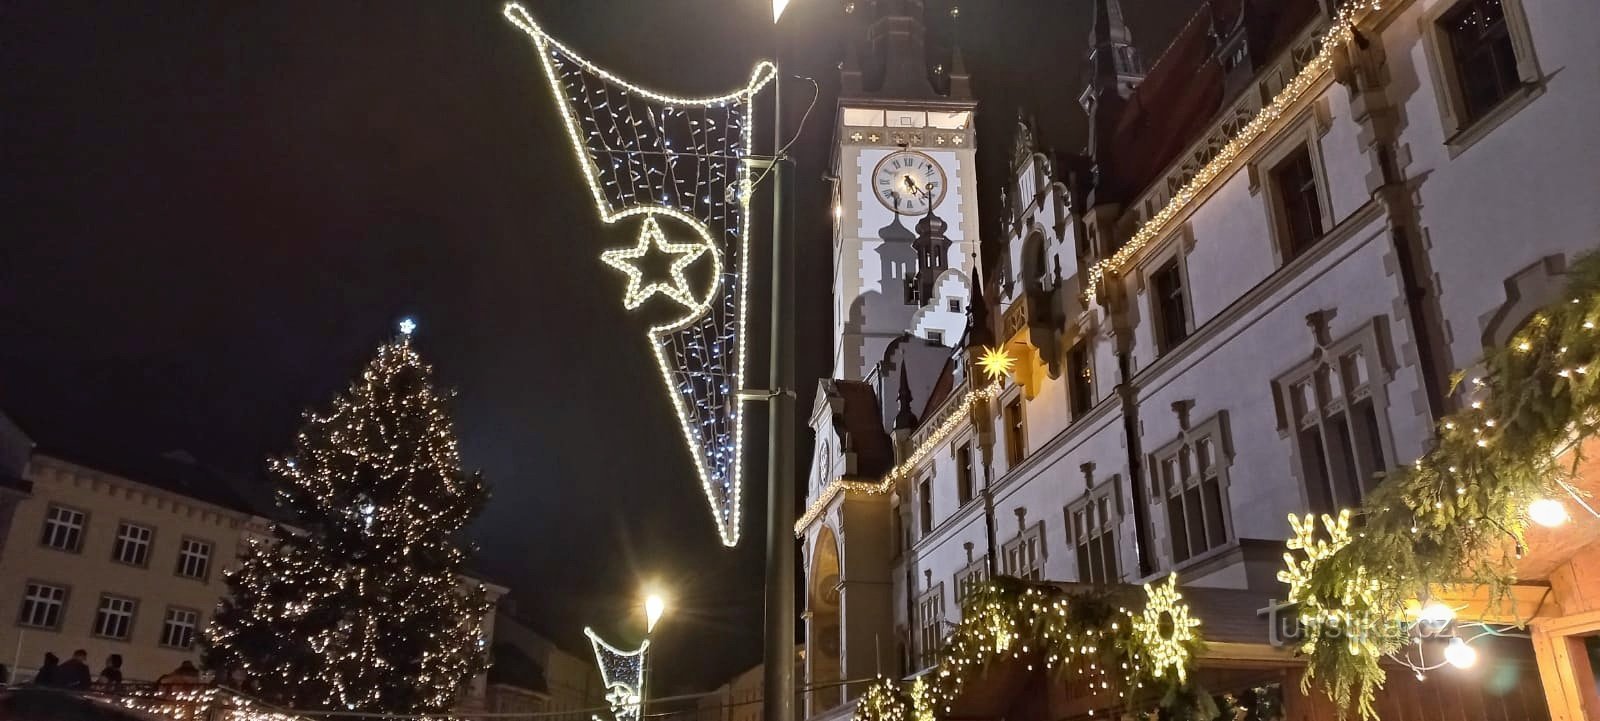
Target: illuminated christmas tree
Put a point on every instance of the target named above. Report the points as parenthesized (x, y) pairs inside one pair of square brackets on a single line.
[(359, 604)]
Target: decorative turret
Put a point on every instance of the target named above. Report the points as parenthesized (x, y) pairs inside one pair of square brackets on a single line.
[(1115, 70), (980, 332), (897, 62), (905, 419), (933, 257)]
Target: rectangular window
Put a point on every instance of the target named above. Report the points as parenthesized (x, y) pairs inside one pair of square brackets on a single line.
[(1190, 477), (1080, 379), (1485, 60), (970, 580), (925, 499), (1024, 555), (1093, 527), (177, 629), (955, 305), (936, 336), (1296, 182), (133, 544), (1338, 434), (63, 529), (194, 558), (114, 618), (42, 605), (964, 474), (1016, 433), (1172, 307), (930, 626)]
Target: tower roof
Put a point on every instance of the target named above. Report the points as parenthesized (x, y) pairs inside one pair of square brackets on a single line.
[(890, 52)]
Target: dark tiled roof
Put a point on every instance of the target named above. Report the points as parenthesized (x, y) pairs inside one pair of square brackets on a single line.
[(1183, 93), (941, 389), (174, 472), (861, 419)]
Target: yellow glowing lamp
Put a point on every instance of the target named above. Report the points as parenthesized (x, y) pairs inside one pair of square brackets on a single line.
[(778, 6), (996, 363), (654, 606)]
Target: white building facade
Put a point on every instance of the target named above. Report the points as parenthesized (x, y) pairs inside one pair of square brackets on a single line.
[(1190, 371)]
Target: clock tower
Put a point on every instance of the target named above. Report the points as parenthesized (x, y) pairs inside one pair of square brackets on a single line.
[(905, 198)]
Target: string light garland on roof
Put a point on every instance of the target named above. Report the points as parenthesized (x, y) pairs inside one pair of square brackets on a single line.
[(1338, 33), (660, 156), (957, 417)]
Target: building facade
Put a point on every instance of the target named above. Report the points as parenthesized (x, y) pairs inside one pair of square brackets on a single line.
[(1244, 298), (532, 675)]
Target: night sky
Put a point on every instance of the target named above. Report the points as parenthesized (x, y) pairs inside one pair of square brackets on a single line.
[(214, 212)]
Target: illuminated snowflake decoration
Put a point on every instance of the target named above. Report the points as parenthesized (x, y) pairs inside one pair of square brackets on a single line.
[(1166, 630), (681, 168), (1355, 616), (622, 672), (996, 363)]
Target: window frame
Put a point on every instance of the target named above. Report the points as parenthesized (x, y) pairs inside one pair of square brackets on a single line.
[(1328, 361), (96, 626), (166, 623), (205, 572), (82, 529), (1013, 552), (1215, 430), (971, 579), (1461, 131), (149, 544), (925, 522), (966, 472), (929, 625), (1016, 446), (1080, 388), (1303, 134), (27, 597), (1107, 500), (1158, 327)]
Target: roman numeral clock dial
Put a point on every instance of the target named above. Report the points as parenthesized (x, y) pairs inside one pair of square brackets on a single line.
[(908, 182)]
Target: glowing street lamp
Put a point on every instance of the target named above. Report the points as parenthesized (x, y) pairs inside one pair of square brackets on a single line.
[(654, 606)]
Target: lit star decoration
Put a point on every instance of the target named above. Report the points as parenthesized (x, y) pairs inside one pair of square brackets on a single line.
[(651, 237), (407, 326), (659, 156), (996, 363), (622, 673), (1166, 629)]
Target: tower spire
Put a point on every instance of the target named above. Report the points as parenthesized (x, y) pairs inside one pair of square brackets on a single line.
[(905, 420), (1115, 68), (898, 42), (979, 332)]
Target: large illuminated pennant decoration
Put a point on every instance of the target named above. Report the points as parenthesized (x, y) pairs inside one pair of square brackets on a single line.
[(622, 673), (679, 168)]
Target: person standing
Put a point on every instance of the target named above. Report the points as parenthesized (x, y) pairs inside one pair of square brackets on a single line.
[(111, 675), (74, 674), (49, 672)]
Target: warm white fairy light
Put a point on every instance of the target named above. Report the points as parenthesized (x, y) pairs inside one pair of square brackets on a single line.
[(633, 168), (622, 673), (651, 239), (1166, 629), (957, 417), (1328, 44)]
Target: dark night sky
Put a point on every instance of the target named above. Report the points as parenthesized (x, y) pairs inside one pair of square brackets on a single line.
[(213, 212)]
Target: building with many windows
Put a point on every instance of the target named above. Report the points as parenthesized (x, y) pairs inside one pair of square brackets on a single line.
[(1244, 298)]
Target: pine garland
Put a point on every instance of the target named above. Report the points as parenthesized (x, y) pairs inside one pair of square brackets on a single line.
[(1457, 517)]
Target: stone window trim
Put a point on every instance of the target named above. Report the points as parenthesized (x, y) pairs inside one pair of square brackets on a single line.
[(148, 543), (55, 515), (974, 470), (1460, 131), (1370, 341), (29, 587), (1305, 132), (1012, 397), (1176, 252), (178, 618), (189, 547), (971, 579), (1109, 492), (929, 626), (1011, 552), (112, 605), (1216, 430)]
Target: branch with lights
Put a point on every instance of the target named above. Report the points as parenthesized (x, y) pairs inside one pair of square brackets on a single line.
[(1458, 516), (1339, 32), (681, 167), (1116, 657)]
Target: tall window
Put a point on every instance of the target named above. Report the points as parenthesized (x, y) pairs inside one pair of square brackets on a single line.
[(1080, 380), (133, 544), (63, 529), (1024, 555), (1016, 432), (1191, 478), (1296, 182), (41, 605), (930, 626), (194, 558), (970, 580), (964, 473), (114, 618), (1481, 49), (1092, 522), (1339, 434), (177, 629), (1171, 305), (925, 503)]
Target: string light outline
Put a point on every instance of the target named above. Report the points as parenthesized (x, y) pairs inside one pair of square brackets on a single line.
[(620, 709), (1167, 651), (651, 236), (763, 73)]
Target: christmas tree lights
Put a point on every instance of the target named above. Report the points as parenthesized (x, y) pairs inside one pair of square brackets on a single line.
[(360, 605), (646, 153)]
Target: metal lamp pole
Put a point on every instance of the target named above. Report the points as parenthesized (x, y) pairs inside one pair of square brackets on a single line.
[(777, 699)]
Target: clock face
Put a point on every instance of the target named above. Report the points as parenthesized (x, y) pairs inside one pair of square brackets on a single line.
[(908, 182)]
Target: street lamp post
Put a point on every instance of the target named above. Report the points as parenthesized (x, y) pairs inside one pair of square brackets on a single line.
[(654, 607)]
